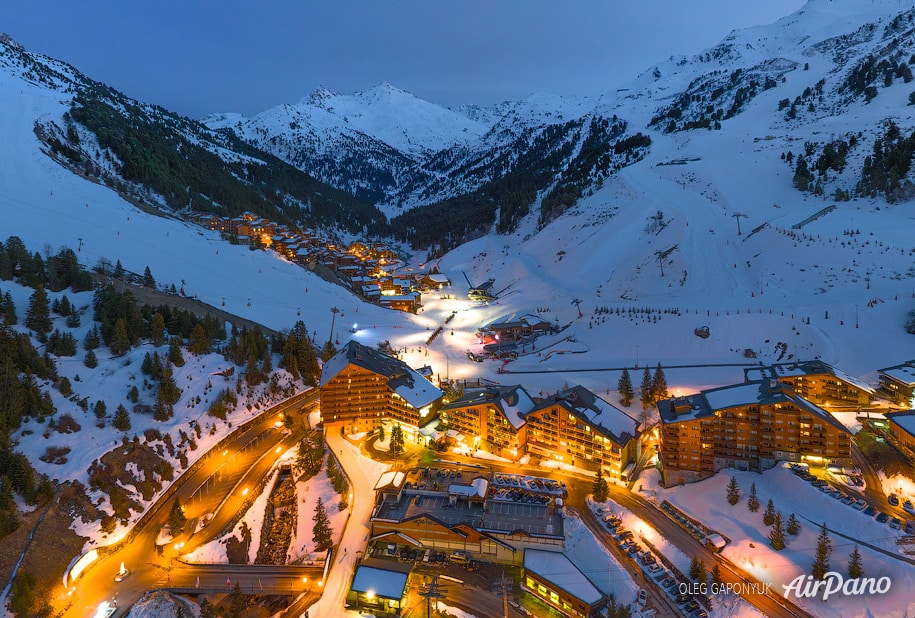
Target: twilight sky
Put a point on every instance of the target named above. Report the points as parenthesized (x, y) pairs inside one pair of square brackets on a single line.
[(207, 56)]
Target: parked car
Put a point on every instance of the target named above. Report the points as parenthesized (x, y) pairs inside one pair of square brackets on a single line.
[(870, 511), (907, 505), (909, 527), (882, 517), (893, 499), (859, 505), (683, 599), (642, 598), (819, 483), (691, 605), (848, 500), (699, 613), (896, 524)]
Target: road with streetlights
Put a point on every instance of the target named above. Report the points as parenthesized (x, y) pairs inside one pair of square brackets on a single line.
[(218, 485)]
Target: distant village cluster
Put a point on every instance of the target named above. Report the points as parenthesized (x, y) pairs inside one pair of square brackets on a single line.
[(373, 271)]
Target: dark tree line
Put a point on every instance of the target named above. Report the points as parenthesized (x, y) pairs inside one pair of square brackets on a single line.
[(885, 169)]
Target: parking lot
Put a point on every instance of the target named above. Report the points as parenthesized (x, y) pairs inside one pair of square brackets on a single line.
[(516, 509)]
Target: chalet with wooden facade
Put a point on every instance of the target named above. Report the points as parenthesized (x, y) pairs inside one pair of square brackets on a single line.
[(817, 382), (577, 427), (749, 426), (361, 388)]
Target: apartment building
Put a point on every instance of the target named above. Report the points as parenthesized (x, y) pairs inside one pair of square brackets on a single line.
[(749, 426), (361, 388)]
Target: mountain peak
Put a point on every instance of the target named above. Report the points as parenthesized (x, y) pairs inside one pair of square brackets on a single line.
[(319, 96), (8, 40), (384, 90)]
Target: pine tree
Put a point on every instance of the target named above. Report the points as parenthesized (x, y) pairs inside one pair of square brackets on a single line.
[(92, 339), (148, 281), (396, 444), (176, 518), (38, 315), (100, 409), (168, 393), (624, 386), (658, 384), (777, 534), (696, 569), (645, 393), (174, 352), (716, 575), (157, 329), (328, 351), (237, 602), (381, 432), (769, 515), (9, 310), (321, 534), (794, 526), (753, 500), (824, 548), (733, 491), (198, 342), (120, 338), (854, 564), (121, 418), (118, 269), (91, 360), (600, 488)]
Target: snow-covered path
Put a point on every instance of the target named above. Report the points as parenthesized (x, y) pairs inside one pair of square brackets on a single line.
[(363, 473)]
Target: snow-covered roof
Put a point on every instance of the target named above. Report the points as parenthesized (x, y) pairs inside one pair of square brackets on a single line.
[(559, 570), (513, 401), (393, 478), (804, 368), (905, 373), (758, 392), (412, 387), (439, 278), (602, 416), (477, 487), (905, 420), (387, 580), (735, 395)]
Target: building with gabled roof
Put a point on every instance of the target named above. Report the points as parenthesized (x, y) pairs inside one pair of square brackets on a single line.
[(749, 426), (578, 427), (478, 516), (897, 383), (380, 587), (901, 431), (555, 579), (361, 388), (817, 382), (493, 416)]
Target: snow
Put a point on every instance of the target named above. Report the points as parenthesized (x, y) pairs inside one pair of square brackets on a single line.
[(595, 561), (751, 290), (384, 583), (559, 570), (363, 474), (158, 604), (706, 502)]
